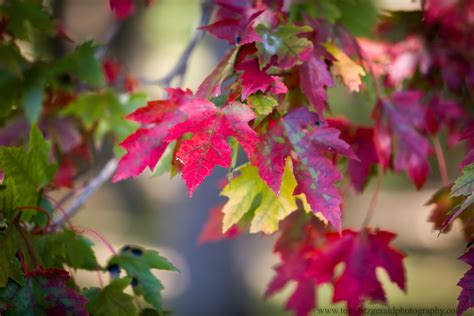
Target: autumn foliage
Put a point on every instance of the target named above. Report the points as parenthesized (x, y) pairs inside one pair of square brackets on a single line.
[(263, 114)]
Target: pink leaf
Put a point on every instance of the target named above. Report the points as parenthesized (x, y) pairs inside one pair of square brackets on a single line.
[(398, 121), (466, 297), (235, 22), (314, 80), (361, 140)]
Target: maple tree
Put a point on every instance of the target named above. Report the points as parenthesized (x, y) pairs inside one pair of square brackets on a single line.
[(267, 96)]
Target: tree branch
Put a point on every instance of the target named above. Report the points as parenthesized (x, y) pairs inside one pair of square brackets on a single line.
[(108, 170), (84, 193), (180, 69)]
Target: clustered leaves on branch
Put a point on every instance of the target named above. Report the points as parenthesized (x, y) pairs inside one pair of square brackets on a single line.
[(269, 96)]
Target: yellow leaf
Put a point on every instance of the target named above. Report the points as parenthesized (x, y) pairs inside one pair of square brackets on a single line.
[(345, 67), (244, 189)]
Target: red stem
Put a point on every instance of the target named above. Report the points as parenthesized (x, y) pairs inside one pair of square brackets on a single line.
[(373, 201), (59, 207), (38, 209), (443, 171), (23, 263), (99, 277), (97, 235)]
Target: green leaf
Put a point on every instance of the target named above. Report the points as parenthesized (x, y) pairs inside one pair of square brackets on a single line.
[(359, 16), (33, 93), (111, 300), (262, 104), (284, 43), (39, 219), (105, 112), (25, 15), (30, 168), (11, 88), (246, 188), (83, 64), (11, 59), (9, 266), (8, 198), (138, 262), (464, 185), (68, 248)]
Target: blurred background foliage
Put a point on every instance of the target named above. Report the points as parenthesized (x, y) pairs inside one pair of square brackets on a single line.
[(229, 277)]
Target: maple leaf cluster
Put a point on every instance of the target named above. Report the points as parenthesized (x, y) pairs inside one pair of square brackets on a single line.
[(267, 100), (269, 95)]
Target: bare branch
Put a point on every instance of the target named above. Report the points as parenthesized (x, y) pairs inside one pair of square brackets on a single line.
[(84, 193), (180, 69)]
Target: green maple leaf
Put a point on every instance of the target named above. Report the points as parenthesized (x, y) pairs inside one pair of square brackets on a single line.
[(138, 263), (285, 43), (9, 266), (8, 198), (262, 104), (29, 168), (83, 64), (104, 112), (68, 248), (27, 15), (111, 300), (463, 187)]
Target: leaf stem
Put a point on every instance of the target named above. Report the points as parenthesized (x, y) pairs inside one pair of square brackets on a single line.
[(373, 201), (443, 171), (97, 235)]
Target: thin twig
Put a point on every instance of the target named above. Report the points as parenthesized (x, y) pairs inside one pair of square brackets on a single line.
[(180, 69), (86, 192)]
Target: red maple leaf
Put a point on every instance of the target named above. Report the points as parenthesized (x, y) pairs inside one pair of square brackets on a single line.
[(253, 79), (212, 230), (299, 237), (468, 135), (145, 146), (207, 147), (235, 21), (122, 8), (315, 173), (398, 122), (466, 297), (361, 140), (64, 177), (314, 80), (362, 252)]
